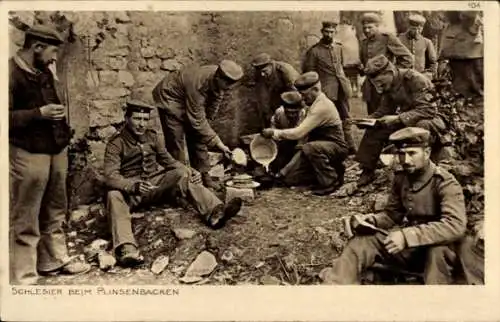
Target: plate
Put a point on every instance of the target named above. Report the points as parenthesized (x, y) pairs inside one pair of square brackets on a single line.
[(251, 185)]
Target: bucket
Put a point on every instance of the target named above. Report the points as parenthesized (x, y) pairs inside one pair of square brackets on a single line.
[(263, 150)]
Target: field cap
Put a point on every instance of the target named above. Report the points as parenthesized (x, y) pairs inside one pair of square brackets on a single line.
[(261, 60), (370, 17), (231, 70), (410, 137), (45, 34), (306, 80)]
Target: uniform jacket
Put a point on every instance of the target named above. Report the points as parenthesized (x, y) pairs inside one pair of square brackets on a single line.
[(281, 121), (191, 95), (424, 54), (129, 158), (386, 44), (430, 210), (270, 89), (30, 89), (411, 94), (328, 61)]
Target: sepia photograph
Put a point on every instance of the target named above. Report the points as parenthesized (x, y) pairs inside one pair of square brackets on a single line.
[(244, 148)]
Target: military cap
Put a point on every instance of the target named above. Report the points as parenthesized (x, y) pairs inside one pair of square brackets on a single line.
[(410, 137), (370, 17), (138, 106), (329, 24), (375, 65), (416, 19), (45, 34), (231, 70), (291, 99), (261, 60), (306, 80)]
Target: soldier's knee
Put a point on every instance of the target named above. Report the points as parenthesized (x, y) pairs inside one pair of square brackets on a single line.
[(360, 243), (310, 149), (181, 173), (115, 195)]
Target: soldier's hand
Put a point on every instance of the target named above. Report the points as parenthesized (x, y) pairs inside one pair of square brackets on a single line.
[(144, 187), (395, 242), (195, 176), (268, 133), (52, 111), (388, 120), (226, 151)]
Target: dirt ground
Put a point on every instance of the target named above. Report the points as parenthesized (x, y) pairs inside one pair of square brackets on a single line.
[(285, 236)]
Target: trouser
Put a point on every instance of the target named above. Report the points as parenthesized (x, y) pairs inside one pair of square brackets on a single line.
[(38, 207), (317, 163), (471, 258), (286, 151), (467, 76), (179, 134), (375, 139), (362, 252), (171, 184), (371, 97)]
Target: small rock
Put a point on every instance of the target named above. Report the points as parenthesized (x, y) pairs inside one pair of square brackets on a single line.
[(379, 202), (321, 230), (121, 16), (106, 260), (182, 233), (215, 158), (125, 78), (79, 241), (227, 256), (154, 64), (260, 264), (71, 245), (326, 275), (190, 279), (159, 264), (203, 265), (147, 52), (157, 244), (90, 222), (72, 234), (137, 215), (269, 280), (95, 247), (170, 65), (159, 219), (79, 214)]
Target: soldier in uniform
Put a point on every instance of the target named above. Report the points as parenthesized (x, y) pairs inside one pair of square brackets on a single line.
[(424, 53), (325, 58), (320, 160), (379, 43), (132, 172), (38, 140), (287, 116), (406, 101), (186, 100), (424, 218), (272, 79)]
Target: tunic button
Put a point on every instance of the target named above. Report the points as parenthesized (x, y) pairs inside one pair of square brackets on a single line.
[(410, 198), (410, 208)]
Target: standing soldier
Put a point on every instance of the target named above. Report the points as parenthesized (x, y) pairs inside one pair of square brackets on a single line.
[(425, 218), (424, 53), (38, 137), (401, 89), (272, 79), (133, 175), (186, 100), (380, 43), (325, 58)]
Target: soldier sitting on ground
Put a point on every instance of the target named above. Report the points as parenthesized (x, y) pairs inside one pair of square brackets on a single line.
[(133, 175), (425, 218)]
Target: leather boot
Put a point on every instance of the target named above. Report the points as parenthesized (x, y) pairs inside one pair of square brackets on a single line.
[(366, 177)]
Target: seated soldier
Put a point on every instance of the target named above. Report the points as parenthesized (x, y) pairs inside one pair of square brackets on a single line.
[(406, 100), (133, 175), (320, 160), (287, 116), (425, 218)]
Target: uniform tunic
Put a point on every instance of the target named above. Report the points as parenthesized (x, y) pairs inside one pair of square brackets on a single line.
[(424, 53), (130, 158), (409, 97), (269, 90), (382, 44), (430, 212), (186, 100)]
